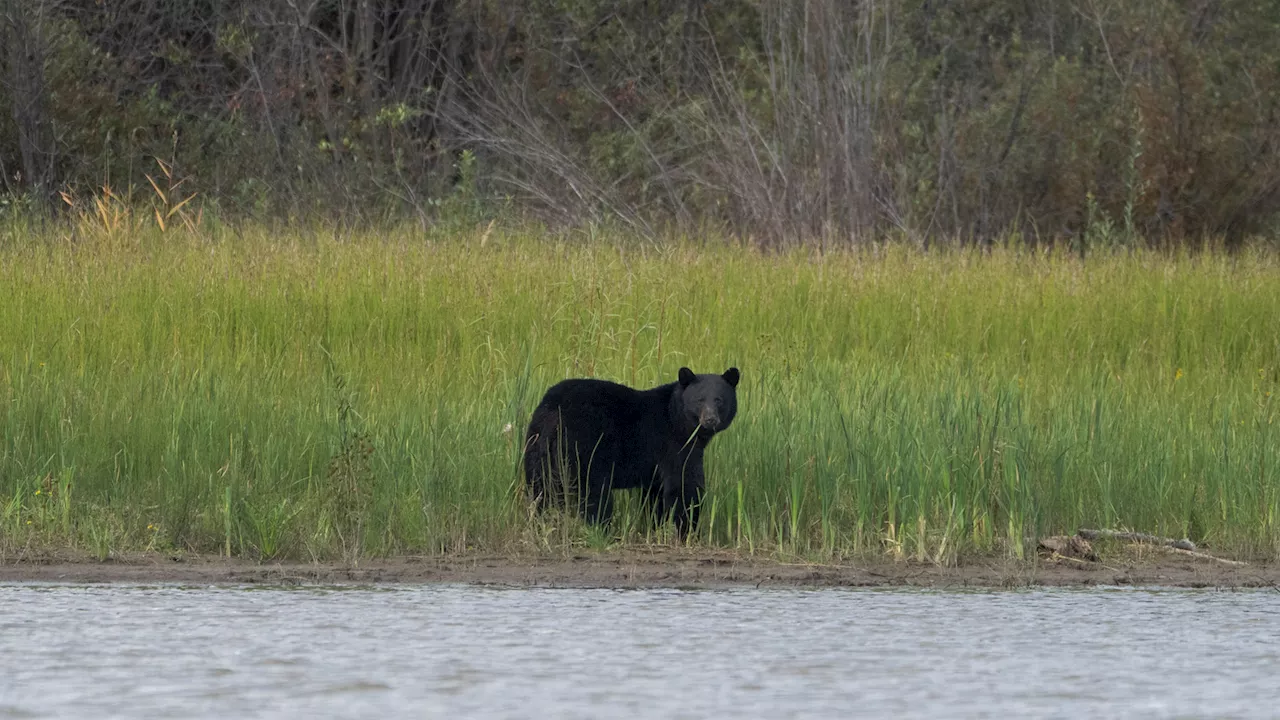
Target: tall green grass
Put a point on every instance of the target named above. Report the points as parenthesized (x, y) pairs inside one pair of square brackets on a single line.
[(300, 395)]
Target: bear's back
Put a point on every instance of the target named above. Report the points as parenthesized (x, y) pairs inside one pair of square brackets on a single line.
[(600, 402)]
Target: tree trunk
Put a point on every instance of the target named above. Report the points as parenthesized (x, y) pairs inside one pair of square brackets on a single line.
[(21, 29)]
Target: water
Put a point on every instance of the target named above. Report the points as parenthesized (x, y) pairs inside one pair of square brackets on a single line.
[(460, 651)]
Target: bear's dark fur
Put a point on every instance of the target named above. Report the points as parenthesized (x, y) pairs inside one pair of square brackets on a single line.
[(589, 437)]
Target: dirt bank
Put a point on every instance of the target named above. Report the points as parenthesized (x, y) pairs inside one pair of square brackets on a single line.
[(645, 567)]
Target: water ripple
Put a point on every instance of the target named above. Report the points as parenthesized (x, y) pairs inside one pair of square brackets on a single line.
[(163, 651)]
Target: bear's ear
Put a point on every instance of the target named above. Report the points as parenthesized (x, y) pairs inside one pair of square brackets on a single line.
[(687, 377), (731, 377)]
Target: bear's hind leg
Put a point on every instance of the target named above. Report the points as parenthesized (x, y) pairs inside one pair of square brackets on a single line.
[(598, 504), (539, 472), (544, 470), (536, 469)]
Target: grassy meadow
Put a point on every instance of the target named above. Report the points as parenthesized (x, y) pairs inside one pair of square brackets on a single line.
[(310, 395)]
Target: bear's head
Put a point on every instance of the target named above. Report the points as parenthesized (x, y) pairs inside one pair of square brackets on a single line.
[(707, 403)]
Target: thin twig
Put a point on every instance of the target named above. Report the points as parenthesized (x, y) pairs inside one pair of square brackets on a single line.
[(1205, 556)]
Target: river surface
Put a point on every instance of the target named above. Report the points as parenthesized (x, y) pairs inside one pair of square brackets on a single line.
[(471, 652)]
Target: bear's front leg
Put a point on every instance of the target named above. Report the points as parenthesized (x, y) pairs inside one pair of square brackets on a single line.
[(651, 501), (682, 494), (688, 511)]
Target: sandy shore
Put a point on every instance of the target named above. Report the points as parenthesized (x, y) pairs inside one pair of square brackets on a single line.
[(644, 567)]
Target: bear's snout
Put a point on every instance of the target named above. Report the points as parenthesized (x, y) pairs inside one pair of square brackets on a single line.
[(709, 419)]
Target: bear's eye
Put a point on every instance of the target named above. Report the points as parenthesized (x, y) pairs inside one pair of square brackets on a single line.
[(719, 402)]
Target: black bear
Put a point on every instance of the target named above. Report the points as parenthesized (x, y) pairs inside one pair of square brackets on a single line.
[(588, 437)]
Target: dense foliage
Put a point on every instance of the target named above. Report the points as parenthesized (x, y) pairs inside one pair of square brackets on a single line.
[(1088, 121)]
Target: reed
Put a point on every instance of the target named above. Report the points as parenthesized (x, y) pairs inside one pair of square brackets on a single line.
[(311, 394)]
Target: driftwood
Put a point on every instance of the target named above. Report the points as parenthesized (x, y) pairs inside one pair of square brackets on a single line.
[(1071, 548), (1183, 544), (1077, 548)]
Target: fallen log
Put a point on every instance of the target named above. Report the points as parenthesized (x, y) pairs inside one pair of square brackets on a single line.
[(1183, 544)]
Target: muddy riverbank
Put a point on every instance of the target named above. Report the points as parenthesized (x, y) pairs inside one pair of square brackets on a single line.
[(645, 567)]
